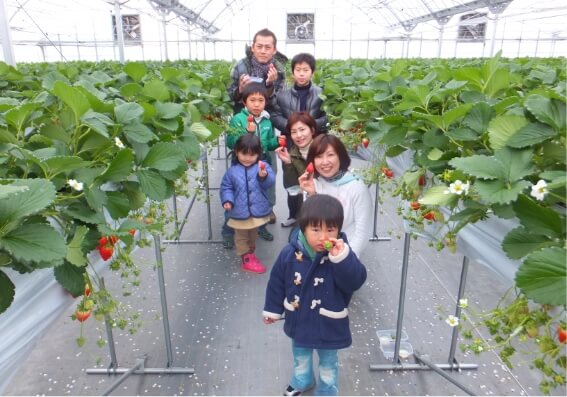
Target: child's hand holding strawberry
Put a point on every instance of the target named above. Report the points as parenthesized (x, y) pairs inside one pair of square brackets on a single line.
[(251, 127), (335, 246), (227, 206), (262, 173)]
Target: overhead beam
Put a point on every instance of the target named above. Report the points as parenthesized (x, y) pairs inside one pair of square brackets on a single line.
[(443, 16), (185, 13)]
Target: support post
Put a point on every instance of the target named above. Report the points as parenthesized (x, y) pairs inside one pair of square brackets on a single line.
[(161, 282), (376, 201), (5, 36)]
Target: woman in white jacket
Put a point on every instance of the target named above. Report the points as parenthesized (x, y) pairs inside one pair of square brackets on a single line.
[(330, 175)]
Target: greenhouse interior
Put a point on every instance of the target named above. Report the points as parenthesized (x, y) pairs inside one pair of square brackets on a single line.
[(179, 175)]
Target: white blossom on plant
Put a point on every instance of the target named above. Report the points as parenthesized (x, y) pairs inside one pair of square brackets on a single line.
[(458, 187), (78, 186), (463, 303), (539, 190), (119, 143), (452, 320)]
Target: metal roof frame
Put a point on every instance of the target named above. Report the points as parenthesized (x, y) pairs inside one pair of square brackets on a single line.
[(185, 13)]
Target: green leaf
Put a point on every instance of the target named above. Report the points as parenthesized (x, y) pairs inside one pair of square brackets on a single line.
[(479, 166), (168, 110), (542, 276), (436, 196), (7, 292), (530, 135), (66, 164), (98, 122), (538, 219), (502, 128), (34, 243), (118, 205), (394, 136), (499, 80), (164, 156), (39, 194), (73, 98), (498, 191), (157, 90), (434, 154), (119, 168), (520, 241), (136, 70), (138, 132), (128, 112), (18, 116), (155, 186), (200, 131), (517, 163), (548, 111), (75, 254), (8, 190), (72, 278), (130, 90), (82, 212), (462, 134), (479, 117)]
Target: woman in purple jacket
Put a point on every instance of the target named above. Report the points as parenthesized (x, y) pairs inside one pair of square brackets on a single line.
[(243, 194)]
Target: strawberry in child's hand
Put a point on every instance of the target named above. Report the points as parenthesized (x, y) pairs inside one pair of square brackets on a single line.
[(262, 165), (328, 245), (310, 168), (282, 141), (250, 118)]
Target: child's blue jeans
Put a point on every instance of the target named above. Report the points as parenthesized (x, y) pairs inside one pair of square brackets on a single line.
[(303, 377)]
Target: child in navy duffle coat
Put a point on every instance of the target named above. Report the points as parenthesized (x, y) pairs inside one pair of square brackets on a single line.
[(243, 194), (312, 282)]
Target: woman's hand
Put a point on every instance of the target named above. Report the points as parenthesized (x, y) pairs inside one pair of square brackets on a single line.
[(283, 154), (306, 183), (227, 206)]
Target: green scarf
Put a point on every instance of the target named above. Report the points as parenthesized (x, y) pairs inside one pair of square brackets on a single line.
[(303, 241)]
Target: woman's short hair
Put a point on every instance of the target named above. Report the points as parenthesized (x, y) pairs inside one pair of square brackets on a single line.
[(248, 144), (254, 88), (321, 208), (320, 145), (303, 117)]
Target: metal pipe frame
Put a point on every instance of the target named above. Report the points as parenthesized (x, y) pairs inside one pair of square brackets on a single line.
[(374, 235)]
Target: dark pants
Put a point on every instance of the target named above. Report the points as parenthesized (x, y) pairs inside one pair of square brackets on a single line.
[(294, 204)]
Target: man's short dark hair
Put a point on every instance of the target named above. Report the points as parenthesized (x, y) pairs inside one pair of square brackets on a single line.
[(321, 208), (254, 88), (303, 58), (265, 33)]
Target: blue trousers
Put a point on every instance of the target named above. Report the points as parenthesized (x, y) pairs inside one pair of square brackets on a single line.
[(303, 377)]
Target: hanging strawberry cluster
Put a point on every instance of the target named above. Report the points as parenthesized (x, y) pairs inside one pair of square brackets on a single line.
[(106, 246)]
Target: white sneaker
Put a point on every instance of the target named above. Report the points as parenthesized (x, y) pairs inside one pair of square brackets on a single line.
[(288, 222)]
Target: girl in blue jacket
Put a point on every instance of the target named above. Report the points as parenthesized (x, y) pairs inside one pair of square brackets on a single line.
[(312, 282), (243, 195)]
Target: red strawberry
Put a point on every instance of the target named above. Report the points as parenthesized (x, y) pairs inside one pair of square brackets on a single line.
[(132, 231), (114, 239), (82, 315), (105, 252), (561, 334), (365, 142), (103, 240), (310, 168), (430, 216), (388, 172), (262, 165), (87, 290), (282, 141), (415, 205), (328, 245), (250, 118), (421, 181)]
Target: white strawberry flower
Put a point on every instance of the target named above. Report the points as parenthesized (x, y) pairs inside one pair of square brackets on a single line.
[(452, 320), (463, 303), (119, 143), (458, 187), (539, 190), (78, 186)]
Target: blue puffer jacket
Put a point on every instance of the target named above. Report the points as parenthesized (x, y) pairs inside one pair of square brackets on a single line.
[(314, 295), (246, 191)]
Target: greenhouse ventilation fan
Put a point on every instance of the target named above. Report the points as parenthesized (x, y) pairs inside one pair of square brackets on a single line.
[(300, 27)]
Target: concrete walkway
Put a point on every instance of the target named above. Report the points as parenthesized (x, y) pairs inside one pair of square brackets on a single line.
[(216, 325)]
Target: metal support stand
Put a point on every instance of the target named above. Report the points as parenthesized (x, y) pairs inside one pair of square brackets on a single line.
[(205, 186), (139, 368), (423, 364), (374, 235)]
